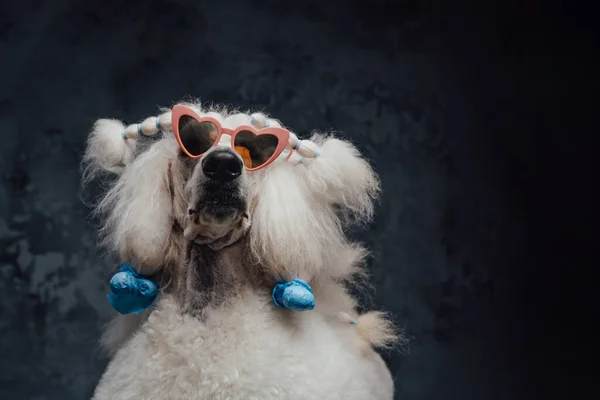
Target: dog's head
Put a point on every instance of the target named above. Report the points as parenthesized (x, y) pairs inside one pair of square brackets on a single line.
[(290, 202)]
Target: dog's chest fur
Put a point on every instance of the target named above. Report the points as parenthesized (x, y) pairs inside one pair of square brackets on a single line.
[(245, 349), (221, 337)]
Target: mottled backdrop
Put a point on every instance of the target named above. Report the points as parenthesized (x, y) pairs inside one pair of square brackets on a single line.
[(446, 101)]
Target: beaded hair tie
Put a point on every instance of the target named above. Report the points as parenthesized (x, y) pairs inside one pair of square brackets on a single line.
[(304, 149)]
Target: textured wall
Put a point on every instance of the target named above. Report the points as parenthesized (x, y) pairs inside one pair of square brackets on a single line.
[(410, 88)]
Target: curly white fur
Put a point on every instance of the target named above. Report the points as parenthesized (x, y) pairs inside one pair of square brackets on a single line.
[(106, 150), (246, 348)]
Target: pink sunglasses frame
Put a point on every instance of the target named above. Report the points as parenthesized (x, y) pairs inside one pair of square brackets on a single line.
[(282, 135)]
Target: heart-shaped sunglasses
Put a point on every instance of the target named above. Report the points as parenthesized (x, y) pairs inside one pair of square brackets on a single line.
[(257, 147)]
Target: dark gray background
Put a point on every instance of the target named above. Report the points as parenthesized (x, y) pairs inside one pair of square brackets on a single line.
[(467, 114)]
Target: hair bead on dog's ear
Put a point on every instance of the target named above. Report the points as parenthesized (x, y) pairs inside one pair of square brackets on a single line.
[(305, 148), (145, 128), (149, 127)]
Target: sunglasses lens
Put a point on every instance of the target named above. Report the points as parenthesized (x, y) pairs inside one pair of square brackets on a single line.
[(255, 150), (197, 137)]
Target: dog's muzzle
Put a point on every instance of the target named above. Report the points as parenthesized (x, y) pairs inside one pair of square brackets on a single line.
[(221, 202), (221, 195)]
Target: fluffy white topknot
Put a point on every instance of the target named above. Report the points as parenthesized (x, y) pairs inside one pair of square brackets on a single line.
[(106, 149)]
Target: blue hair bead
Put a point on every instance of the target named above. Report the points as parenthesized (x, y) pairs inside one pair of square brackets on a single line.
[(296, 295), (297, 146), (157, 122), (317, 152), (130, 292), (147, 288), (122, 283), (123, 135), (139, 127)]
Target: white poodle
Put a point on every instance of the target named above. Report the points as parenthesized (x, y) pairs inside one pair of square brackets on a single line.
[(241, 224)]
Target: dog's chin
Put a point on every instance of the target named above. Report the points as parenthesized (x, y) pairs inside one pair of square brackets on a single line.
[(215, 244), (217, 226), (217, 237), (217, 215)]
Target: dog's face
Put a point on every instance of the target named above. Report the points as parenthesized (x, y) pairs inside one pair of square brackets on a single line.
[(216, 193), (293, 216)]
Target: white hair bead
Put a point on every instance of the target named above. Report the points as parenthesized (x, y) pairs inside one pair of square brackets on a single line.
[(132, 132), (149, 127), (165, 120), (273, 123), (258, 120), (307, 149), (293, 140)]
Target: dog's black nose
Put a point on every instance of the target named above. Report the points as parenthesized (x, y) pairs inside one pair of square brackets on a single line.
[(222, 166)]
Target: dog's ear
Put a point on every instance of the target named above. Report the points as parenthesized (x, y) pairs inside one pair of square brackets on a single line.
[(342, 177), (292, 235), (138, 210), (297, 228)]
